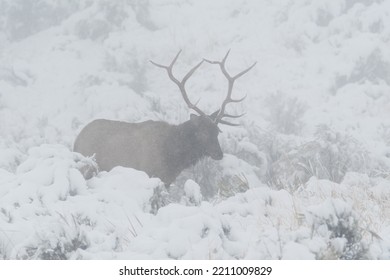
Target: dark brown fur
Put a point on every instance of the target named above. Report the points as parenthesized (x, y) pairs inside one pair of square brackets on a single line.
[(158, 148)]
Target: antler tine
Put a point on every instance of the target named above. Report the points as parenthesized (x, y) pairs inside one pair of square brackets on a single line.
[(233, 116), (237, 100), (181, 84), (231, 80), (170, 66), (245, 71), (189, 74), (228, 123), (174, 60), (226, 55), (218, 62)]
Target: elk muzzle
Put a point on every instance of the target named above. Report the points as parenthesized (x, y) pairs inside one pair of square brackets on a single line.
[(216, 153)]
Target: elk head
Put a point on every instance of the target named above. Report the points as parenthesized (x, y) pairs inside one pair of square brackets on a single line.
[(204, 127)]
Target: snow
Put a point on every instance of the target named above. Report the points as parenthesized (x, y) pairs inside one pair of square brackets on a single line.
[(304, 176), (192, 193)]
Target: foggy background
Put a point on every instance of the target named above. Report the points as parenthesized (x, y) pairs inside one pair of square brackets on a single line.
[(305, 175)]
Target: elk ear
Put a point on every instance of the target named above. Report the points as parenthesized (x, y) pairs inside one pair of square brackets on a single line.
[(214, 115)]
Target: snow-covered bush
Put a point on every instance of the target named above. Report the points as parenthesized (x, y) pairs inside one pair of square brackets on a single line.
[(207, 173), (58, 213), (339, 224), (330, 156), (221, 179), (160, 198), (192, 194), (24, 18), (142, 12), (285, 113), (61, 245), (10, 158), (374, 68), (231, 185)]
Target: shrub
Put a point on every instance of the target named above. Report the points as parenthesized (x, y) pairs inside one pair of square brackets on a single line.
[(339, 225), (330, 156)]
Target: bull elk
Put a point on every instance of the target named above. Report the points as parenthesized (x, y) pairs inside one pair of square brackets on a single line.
[(160, 149)]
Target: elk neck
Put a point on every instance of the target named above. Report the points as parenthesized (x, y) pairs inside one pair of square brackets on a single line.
[(184, 149)]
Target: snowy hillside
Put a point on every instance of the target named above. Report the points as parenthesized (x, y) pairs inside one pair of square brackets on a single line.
[(306, 175)]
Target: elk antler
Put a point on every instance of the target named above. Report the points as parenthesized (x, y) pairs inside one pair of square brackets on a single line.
[(181, 84), (231, 79)]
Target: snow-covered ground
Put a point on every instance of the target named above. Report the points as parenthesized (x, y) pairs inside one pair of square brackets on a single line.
[(305, 176)]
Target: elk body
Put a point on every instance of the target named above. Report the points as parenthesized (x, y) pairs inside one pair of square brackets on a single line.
[(160, 149)]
